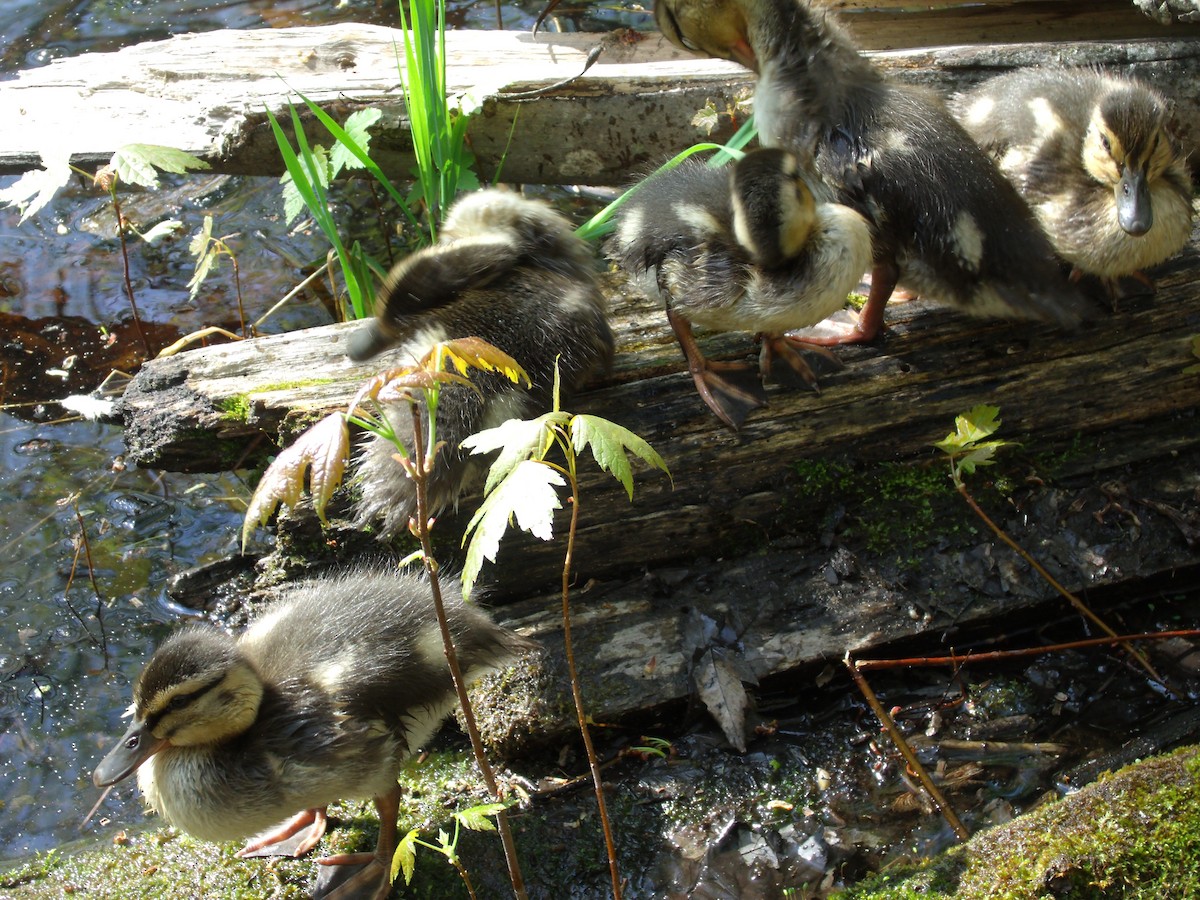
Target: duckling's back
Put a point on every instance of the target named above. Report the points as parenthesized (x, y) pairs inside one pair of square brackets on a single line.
[(508, 270), (369, 643)]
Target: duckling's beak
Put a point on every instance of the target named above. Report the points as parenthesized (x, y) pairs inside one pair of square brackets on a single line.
[(1133, 202), (135, 747), (367, 341)]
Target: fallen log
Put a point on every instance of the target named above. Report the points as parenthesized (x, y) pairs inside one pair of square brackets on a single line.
[(634, 107), (736, 534)]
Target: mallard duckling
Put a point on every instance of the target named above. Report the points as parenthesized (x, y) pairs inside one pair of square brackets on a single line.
[(318, 700), (1094, 157), (506, 269), (748, 248), (946, 222)]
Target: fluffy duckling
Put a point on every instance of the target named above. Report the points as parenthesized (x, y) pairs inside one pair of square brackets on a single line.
[(506, 269), (1094, 157), (945, 220), (318, 700), (748, 248)]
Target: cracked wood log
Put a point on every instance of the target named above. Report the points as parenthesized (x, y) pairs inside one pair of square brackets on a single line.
[(745, 539), (203, 409), (632, 109)]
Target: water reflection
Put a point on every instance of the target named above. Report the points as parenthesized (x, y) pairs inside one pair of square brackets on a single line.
[(66, 656)]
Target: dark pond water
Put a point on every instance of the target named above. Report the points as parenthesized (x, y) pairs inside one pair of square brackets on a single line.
[(67, 655)]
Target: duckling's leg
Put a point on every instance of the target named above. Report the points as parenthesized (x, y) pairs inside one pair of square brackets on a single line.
[(730, 395), (294, 837), (782, 360), (363, 876), (884, 276)]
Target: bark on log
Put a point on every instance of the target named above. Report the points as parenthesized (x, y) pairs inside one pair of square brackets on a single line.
[(632, 109), (736, 538)]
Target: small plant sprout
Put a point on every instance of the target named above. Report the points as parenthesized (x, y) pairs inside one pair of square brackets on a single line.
[(131, 164), (475, 818), (207, 250), (325, 447), (523, 486), (1194, 369), (968, 447)]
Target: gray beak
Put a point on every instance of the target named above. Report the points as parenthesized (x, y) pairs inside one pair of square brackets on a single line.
[(1133, 203), (135, 747)]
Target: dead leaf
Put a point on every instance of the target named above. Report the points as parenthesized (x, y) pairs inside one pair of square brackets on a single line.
[(325, 447)]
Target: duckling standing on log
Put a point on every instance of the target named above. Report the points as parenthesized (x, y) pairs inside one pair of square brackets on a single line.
[(506, 269), (1094, 157), (746, 249), (318, 700), (946, 222)]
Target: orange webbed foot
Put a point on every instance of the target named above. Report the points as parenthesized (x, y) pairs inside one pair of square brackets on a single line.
[(294, 837)]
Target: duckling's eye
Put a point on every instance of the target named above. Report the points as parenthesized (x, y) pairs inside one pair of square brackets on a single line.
[(1106, 143)]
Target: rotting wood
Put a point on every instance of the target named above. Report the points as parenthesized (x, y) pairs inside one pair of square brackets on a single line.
[(890, 402), (633, 108)]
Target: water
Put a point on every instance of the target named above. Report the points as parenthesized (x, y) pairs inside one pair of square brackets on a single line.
[(67, 657)]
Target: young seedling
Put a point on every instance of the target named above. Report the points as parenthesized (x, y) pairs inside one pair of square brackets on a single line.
[(475, 818), (208, 250), (131, 164), (523, 486), (968, 448), (324, 449)]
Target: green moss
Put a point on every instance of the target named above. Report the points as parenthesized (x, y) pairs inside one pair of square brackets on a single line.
[(235, 409), (891, 508), (1132, 835)]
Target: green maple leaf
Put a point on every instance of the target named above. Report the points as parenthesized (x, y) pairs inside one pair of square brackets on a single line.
[(610, 443), (139, 163), (528, 496), (405, 857), (479, 818), (975, 425)]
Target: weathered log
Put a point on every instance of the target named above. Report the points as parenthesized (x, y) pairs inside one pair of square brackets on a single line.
[(631, 109), (890, 402)]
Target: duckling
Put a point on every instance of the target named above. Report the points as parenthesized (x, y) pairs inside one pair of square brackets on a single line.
[(945, 220), (745, 249), (1095, 158), (319, 699), (506, 269)]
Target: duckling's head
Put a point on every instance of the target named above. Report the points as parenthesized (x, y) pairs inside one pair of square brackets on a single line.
[(773, 206), (197, 689), (1127, 147), (713, 27)]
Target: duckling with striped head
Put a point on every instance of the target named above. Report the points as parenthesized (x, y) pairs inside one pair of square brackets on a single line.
[(320, 699)]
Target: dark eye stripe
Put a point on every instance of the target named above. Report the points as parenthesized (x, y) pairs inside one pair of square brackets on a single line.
[(176, 703)]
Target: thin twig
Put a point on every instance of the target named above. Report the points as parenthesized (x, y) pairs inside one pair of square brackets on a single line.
[(86, 547), (956, 661), (137, 321), (906, 751), (577, 694), (237, 285), (420, 471), (1053, 582)]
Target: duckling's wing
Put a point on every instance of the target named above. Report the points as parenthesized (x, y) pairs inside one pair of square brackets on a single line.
[(669, 213), (959, 229)]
